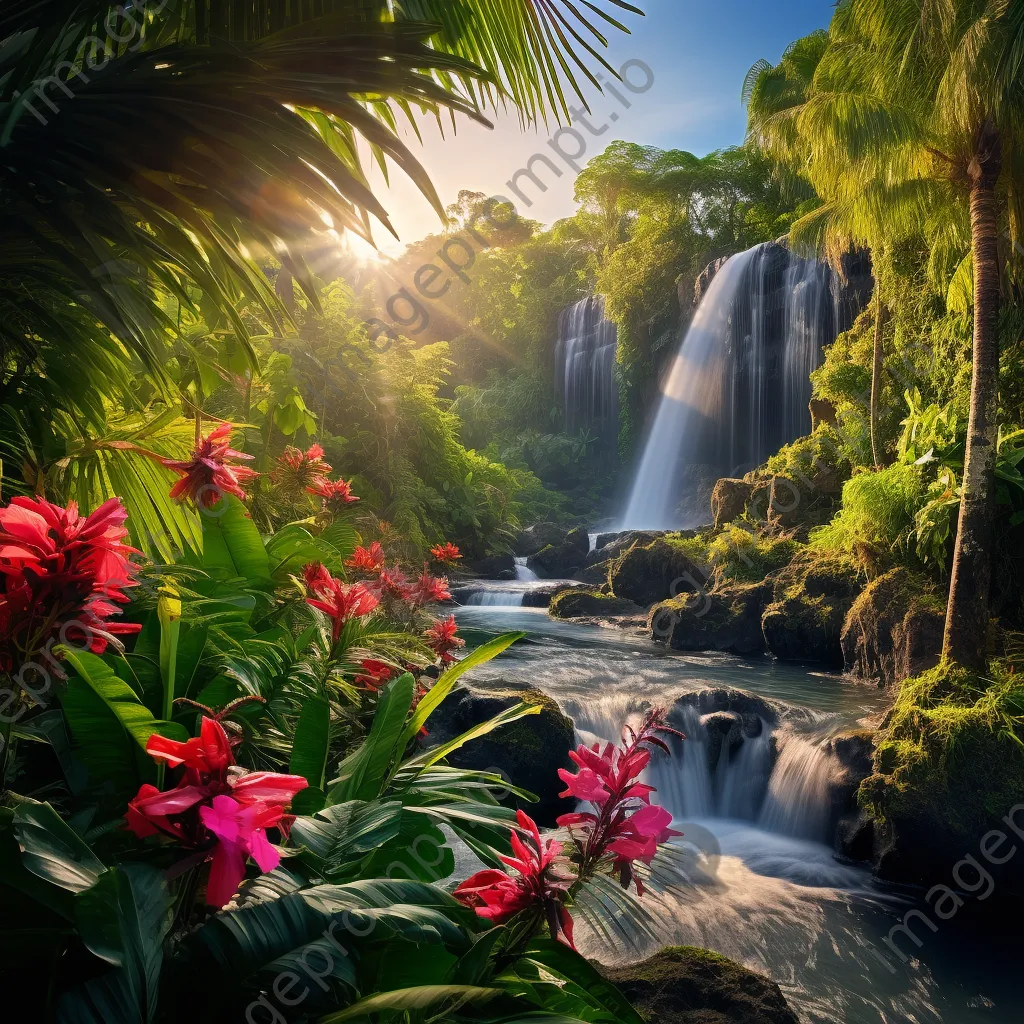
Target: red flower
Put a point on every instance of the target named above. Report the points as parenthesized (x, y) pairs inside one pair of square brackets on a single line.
[(367, 559), (336, 493), (375, 675), (429, 590), (391, 584), (446, 552), (316, 577), (623, 824), (342, 602), (297, 470), (212, 470), (62, 576), (537, 885), (441, 639), (216, 808)]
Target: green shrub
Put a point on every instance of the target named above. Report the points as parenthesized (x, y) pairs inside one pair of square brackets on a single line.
[(737, 555)]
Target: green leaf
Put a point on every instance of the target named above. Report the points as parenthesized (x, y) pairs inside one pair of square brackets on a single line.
[(347, 832), (418, 998), (232, 545), (311, 742), (292, 547), (443, 686), (97, 920), (363, 773), (52, 850)]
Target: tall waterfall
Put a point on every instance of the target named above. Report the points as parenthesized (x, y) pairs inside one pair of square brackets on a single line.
[(585, 368), (738, 388)]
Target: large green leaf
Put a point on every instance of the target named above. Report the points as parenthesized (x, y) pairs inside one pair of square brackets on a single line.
[(52, 850), (419, 998), (447, 680), (364, 773), (347, 832), (232, 546), (311, 741), (292, 547)]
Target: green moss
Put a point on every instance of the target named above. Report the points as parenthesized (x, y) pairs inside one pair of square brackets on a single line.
[(578, 601), (805, 458), (738, 555)]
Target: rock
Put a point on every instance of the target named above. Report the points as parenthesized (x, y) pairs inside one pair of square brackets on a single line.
[(894, 629), (686, 985), (492, 567), (578, 539), (579, 602), (855, 837), (528, 752), (725, 619), (729, 500), (557, 562), (822, 411), (595, 573), (610, 545), (785, 503), (540, 597), (655, 572), (812, 597), (852, 754), (538, 536), (752, 708), (506, 575), (725, 733)]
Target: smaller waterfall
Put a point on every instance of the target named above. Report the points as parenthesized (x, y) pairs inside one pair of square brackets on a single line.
[(524, 574), (585, 368), (797, 802), (496, 598)]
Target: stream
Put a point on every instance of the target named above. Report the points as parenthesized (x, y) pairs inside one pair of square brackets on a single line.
[(769, 892)]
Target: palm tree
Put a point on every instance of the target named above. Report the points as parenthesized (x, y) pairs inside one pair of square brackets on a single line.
[(911, 124)]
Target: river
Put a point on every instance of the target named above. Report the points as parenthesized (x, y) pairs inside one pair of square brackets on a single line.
[(772, 895)]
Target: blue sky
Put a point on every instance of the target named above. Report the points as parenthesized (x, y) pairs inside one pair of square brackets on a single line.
[(698, 51)]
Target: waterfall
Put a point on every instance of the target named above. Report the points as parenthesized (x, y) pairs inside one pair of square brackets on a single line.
[(797, 801), (496, 598), (524, 574), (738, 387), (585, 368)]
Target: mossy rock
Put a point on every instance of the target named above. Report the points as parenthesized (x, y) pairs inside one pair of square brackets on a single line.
[(894, 628), (729, 500), (687, 985), (725, 619), (577, 602), (657, 571), (528, 752), (813, 595), (948, 768), (494, 567), (558, 562), (540, 535), (742, 556)]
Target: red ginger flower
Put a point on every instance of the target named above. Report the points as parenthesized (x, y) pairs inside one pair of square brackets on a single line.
[(297, 470), (446, 552), (336, 493), (341, 601), (212, 470), (441, 639), (216, 808), (316, 577), (391, 584), (62, 576), (369, 559), (625, 824), (538, 884), (429, 590), (375, 674)]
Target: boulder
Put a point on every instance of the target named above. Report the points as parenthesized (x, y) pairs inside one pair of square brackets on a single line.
[(611, 545), (493, 567), (559, 562), (822, 411), (725, 619), (577, 602), (528, 752), (725, 733), (729, 500), (579, 539), (812, 597), (852, 753), (538, 536), (753, 709), (686, 985), (540, 597), (596, 573), (655, 572), (894, 629)]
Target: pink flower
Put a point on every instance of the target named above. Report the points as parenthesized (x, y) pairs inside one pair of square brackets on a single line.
[(240, 830), (212, 471), (62, 576), (538, 884)]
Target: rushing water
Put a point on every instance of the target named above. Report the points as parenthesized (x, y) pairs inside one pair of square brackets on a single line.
[(739, 385), (585, 368), (769, 893)]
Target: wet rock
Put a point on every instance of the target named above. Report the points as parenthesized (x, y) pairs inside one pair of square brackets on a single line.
[(725, 733), (540, 597), (559, 562), (493, 567), (581, 602), (596, 573), (855, 837), (538, 536), (611, 545), (578, 539), (729, 500), (506, 575), (686, 985), (655, 572), (894, 629), (852, 753), (749, 706), (725, 619), (812, 597), (528, 752)]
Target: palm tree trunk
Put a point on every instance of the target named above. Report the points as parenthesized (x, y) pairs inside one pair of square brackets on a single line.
[(967, 618), (876, 377)]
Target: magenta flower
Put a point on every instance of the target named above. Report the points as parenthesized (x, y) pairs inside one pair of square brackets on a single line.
[(212, 471)]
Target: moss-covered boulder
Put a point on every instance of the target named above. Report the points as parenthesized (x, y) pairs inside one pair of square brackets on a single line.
[(557, 561), (812, 596), (494, 567), (686, 985), (528, 752), (540, 597), (577, 602), (726, 619), (729, 500), (851, 752), (948, 773), (894, 628), (538, 536), (657, 571)]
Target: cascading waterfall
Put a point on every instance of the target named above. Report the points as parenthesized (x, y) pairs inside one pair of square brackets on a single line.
[(585, 368), (499, 598), (739, 385), (524, 574), (797, 800)]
